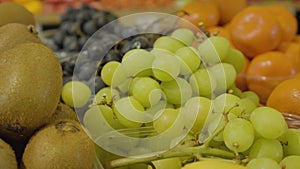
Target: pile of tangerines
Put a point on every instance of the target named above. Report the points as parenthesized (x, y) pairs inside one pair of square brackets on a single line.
[(267, 36)]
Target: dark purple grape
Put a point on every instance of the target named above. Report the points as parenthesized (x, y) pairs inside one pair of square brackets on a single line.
[(58, 38), (70, 44), (82, 17), (86, 71), (82, 40), (89, 27), (112, 55), (95, 50), (139, 42)]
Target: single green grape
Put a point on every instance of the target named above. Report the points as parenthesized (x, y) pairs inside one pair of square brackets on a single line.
[(146, 90), (227, 103), (165, 119), (190, 60), (94, 122), (290, 162), (165, 67), (238, 135), (76, 94), (202, 83), (263, 163), (177, 91), (129, 112), (108, 71), (106, 95), (236, 58), (199, 106), (186, 36), (291, 142), (250, 95), (138, 62), (214, 49), (268, 122), (224, 74), (168, 43), (267, 148)]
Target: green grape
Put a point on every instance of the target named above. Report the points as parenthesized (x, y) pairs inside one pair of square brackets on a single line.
[(154, 109), (202, 83), (165, 66), (227, 103), (190, 60), (76, 94), (93, 122), (250, 95), (238, 135), (268, 148), (129, 112), (290, 162), (130, 52), (186, 36), (123, 87), (170, 163), (106, 95), (119, 77), (291, 142), (236, 58), (199, 106), (138, 62), (234, 90), (146, 90), (168, 43), (263, 163), (268, 122), (165, 119), (214, 49), (177, 91), (224, 74), (108, 71), (247, 106)]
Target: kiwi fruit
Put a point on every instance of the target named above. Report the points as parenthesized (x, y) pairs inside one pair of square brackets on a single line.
[(11, 12), (7, 156), (62, 112), (13, 34), (62, 144), (30, 89)]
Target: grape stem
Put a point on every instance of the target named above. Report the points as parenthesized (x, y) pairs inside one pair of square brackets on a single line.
[(182, 152)]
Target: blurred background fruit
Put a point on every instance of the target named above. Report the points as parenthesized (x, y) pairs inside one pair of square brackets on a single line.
[(266, 71), (286, 96)]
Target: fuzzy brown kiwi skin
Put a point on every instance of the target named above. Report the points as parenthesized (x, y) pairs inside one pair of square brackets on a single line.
[(65, 143), (30, 88), (62, 112), (13, 34), (7, 156), (11, 12)]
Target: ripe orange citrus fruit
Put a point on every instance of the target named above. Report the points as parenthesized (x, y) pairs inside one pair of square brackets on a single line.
[(292, 51), (286, 19), (266, 71), (229, 8), (200, 11), (255, 30), (286, 97)]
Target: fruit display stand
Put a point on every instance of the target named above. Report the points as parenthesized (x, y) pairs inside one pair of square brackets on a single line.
[(149, 89)]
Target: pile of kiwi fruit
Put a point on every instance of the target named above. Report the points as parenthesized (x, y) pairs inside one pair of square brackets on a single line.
[(36, 130)]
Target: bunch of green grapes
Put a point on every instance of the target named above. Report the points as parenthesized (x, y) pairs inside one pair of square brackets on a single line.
[(183, 87)]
